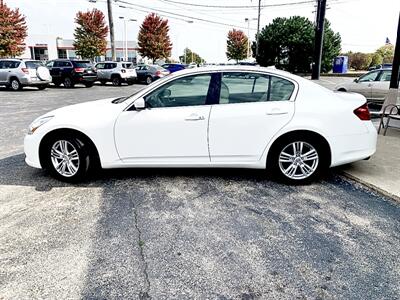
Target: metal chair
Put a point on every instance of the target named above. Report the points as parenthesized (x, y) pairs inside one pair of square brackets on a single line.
[(394, 114)]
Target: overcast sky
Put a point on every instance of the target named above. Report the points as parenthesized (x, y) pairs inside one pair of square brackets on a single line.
[(363, 24)]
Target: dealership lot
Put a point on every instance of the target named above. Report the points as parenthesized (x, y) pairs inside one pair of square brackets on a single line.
[(184, 234)]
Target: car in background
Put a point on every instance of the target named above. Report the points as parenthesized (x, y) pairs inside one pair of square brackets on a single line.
[(235, 116), (374, 85), (150, 73), (174, 67), (70, 72), (17, 73), (383, 66), (116, 72)]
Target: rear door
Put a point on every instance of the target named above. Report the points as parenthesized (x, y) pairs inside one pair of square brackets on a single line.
[(380, 87), (252, 108), (100, 70)]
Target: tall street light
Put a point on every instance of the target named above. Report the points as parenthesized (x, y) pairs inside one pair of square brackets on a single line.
[(189, 22), (126, 36), (248, 34)]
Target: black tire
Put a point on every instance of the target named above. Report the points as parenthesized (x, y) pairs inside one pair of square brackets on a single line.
[(68, 83), (103, 82), (84, 159), (57, 83), (342, 90), (149, 79), (42, 87), (116, 81), (305, 169), (15, 85), (89, 84), (130, 82)]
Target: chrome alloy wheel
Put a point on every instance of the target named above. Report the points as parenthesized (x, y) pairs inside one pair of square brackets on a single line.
[(298, 160), (65, 158), (15, 85)]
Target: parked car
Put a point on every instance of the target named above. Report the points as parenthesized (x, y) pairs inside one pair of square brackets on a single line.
[(383, 66), (374, 85), (116, 72), (70, 72), (174, 67), (254, 118), (150, 73), (16, 73)]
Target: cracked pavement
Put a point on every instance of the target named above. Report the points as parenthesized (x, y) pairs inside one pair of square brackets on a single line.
[(185, 233)]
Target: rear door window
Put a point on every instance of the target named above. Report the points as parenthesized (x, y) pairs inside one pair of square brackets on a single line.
[(82, 64), (10, 64), (33, 64), (100, 66)]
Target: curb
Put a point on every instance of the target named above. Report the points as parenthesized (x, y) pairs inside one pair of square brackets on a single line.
[(370, 186)]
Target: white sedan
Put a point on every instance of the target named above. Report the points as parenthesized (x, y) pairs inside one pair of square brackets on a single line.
[(235, 116)]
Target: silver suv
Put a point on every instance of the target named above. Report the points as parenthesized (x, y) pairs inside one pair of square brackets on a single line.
[(16, 73), (116, 72)]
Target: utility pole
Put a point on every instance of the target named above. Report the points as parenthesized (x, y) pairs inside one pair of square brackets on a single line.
[(111, 25), (258, 28), (319, 39), (394, 80)]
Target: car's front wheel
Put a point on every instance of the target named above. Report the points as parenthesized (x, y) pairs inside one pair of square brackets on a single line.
[(297, 160), (149, 79), (15, 84), (67, 158)]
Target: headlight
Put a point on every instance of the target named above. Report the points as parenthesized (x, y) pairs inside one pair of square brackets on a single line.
[(37, 123)]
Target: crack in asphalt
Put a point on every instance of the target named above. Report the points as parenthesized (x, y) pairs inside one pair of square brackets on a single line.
[(143, 295)]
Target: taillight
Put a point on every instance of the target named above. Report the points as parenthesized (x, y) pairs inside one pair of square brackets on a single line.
[(158, 73), (79, 70), (25, 70), (363, 112), (123, 71)]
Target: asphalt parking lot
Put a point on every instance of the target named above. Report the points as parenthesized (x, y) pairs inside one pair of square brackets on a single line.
[(184, 233)]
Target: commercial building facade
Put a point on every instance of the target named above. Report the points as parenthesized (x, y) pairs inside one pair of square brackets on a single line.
[(48, 47)]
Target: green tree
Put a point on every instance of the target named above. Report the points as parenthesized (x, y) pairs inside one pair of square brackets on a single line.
[(359, 60), (236, 45), (387, 53), (90, 34), (288, 43), (13, 31), (376, 59), (153, 38), (190, 57)]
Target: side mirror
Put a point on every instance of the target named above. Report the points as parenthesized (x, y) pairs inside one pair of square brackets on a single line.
[(356, 80), (139, 104)]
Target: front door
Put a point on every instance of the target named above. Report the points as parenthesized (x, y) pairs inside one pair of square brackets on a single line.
[(364, 84), (252, 109), (173, 127)]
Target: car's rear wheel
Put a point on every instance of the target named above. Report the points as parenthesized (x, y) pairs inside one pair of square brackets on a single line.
[(103, 82), (131, 82), (15, 85), (89, 84), (297, 160), (116, 81), (67, 158), (68, 83), (149, 80), (342, 90)]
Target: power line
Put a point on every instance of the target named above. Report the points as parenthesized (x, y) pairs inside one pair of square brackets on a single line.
[(179, 15), (238, 6)]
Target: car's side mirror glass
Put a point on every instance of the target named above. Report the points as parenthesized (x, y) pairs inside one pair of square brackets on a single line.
[(139, 104), (356, 80)]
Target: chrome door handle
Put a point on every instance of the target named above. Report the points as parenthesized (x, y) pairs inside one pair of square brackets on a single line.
[(276, 112), (194, 117)]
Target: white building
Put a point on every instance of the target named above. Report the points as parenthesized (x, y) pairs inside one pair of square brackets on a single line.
[(47, 47)]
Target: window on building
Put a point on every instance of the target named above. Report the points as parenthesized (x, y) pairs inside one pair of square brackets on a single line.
[(62, 53)]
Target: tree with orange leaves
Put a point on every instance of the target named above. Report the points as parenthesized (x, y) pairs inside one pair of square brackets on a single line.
[(153, 39), (13, 31), (90, 34), (237, 44)]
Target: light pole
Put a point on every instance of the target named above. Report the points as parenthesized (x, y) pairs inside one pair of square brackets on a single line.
[(248, 34), (126, 36), (189, 22)]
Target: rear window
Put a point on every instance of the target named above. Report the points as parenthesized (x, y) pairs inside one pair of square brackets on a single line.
[(33, 64), (82, 64), (127, 66)]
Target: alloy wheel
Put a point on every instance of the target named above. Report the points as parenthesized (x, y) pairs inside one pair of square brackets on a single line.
[(65, 158), (298, 160), (15, 85)]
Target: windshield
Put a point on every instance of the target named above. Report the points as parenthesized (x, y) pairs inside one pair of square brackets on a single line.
[(83, 64), (33, 64)]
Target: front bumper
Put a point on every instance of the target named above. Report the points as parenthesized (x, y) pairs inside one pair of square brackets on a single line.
[(31, 149)]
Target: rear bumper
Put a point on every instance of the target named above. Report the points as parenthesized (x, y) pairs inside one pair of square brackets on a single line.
[(29, 82), (350, 148), (84, 79)]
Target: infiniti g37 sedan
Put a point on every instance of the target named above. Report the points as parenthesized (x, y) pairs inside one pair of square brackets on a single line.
[(238, 116)]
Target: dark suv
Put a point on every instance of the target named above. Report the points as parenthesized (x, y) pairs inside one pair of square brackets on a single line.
[(71, 72)]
